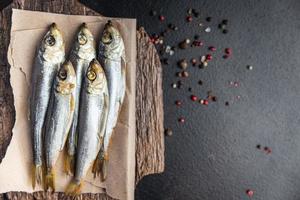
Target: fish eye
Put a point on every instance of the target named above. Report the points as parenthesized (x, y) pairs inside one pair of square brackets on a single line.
[(91, 75), (62, 74), (82, 39), (50, 40), (107, 38)]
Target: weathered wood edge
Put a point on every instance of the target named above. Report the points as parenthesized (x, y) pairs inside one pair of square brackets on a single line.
[(150, 146), (150, 138)]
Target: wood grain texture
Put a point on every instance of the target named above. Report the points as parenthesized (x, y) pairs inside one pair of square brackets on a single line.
[(150, 138)]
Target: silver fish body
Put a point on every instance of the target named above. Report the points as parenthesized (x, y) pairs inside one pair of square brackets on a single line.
[(59, 118), (111, 53), (92, 120), (50, 55), (83, 52)]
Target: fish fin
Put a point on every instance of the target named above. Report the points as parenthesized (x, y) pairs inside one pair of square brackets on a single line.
[(74, 188), (104, 164), (98, 161), (69, 164), (37, 175), (50, 180)]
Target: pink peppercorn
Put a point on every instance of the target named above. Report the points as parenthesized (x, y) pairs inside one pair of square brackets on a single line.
[(205, 102), (212, 48), (161, 18), (181, 120), (194, 98), (178, 103), (249, 192), (228, 51), (208, 57), (189, 18)]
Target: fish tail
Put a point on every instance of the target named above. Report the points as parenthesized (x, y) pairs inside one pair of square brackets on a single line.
[(50, 180), (37, 175), (74, 188), (69, 164)]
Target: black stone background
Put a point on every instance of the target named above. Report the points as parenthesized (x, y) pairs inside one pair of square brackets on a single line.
[(213, 156)]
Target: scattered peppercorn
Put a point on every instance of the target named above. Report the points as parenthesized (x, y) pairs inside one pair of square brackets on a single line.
[(189, 11), (183, 64), (200, 82), (214, 98), (249, 192), (189, 18), (225, 31), (228, 51), (208, 57), (212, 48), (181, 120), (225, 21), (178, 103), (226, 103), (222, 26), (207, 30), (208, 19), (185, 74), (168, 132), (194, 61), (161, 18), (153, 12), (258, 146), (166, 61), (190, 89), (194, 98), (250, 67)]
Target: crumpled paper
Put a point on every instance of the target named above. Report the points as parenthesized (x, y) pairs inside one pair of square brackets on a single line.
[(27, 30)]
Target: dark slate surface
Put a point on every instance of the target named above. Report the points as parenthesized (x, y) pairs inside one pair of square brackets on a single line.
[(213, 156)]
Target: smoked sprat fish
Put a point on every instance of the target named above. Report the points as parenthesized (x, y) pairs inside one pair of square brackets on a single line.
[(111, 54), (83, 52), (91, 124), (59, 118), (50, 55)]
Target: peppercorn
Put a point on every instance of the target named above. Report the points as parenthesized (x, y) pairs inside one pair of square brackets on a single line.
[(183, 64), (194, 98), (189, 18), (161, 17), (168, 132), (181, 120), (185, 74)]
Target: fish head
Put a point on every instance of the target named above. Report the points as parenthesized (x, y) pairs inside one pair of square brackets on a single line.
[(96, 79), (85, 46), (111, 45), (53, 47), (65, 79)]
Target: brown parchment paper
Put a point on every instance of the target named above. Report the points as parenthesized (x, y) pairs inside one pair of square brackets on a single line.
[(27, 30)]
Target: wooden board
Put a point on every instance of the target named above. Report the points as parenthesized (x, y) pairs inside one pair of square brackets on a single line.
[(150, 138)]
